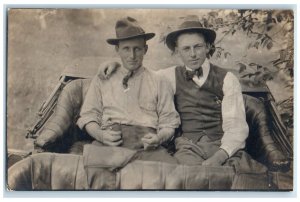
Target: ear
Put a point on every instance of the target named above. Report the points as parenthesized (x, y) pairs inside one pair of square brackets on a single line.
[(145, 49), (175, 51), (208, 47)]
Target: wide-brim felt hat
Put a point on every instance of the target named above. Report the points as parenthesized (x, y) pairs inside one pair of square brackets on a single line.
[(189, 24), (128, 28)]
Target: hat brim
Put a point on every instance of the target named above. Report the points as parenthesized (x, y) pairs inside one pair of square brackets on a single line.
[(210, 35), (147, 37)]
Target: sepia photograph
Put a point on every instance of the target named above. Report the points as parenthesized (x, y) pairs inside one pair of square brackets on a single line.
[(149, 99)]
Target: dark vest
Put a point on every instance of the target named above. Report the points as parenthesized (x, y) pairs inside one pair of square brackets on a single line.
[(200, 107)]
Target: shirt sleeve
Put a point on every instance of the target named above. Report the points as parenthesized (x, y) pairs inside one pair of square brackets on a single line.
[(234, 124), (169, 75), (91, 110), (168, 117)]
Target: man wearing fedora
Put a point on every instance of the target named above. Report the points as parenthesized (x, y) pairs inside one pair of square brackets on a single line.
[(133, 108), (207, 97)]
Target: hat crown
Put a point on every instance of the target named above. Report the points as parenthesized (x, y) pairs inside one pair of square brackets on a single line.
[(191, 21), (128, 27)]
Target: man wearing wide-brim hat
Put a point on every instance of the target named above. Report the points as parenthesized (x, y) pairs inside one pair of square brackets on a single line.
[(133, 108), (208, 98)]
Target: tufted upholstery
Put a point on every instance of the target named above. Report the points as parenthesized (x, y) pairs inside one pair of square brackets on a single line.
[(48, 171)]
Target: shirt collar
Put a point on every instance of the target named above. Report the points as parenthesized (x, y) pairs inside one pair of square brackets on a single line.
[(205, 67), (137, 72)]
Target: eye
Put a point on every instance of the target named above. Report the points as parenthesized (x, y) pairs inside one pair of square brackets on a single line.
[(125, 48), (198, 46), (137, 49), (185, 49)]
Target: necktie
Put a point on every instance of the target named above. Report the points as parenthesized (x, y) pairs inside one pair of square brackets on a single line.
[(126, 78), (190, 74)]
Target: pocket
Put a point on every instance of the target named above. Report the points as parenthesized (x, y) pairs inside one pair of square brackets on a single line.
[(147, 101), (147, 96)]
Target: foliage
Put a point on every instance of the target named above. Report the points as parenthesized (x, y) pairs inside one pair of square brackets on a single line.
[(265, 30)]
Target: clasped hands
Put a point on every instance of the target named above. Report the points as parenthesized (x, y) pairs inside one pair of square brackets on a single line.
[(114, 138)]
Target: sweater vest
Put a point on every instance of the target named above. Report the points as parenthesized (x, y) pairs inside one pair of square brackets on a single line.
[(200, 107)]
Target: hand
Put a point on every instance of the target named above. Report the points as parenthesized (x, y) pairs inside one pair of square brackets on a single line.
[(111, 137), (107, 69), (217, 159), (150, 141), (106, 136)]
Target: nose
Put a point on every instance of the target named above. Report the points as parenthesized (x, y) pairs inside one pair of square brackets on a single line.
[(192, 53), (132, 54)]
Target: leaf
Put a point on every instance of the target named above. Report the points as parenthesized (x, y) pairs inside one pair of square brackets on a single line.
[(263, 40), (259, 36), (219, 21), (205, 22), (279, 18), (226, 54), (245, 75), (269, 45), (280, 62), (275, 61), (250, 75), (257, 73), (285, 115), (256, 45), (283, 54), (250, 45), (242, 67), (267, 76), (213, 14)]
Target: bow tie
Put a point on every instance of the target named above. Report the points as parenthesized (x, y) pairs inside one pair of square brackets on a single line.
[(190, 74), (126, 78)]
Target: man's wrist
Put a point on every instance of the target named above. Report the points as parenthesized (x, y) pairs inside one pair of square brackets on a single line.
[(94, 130), (165, 134), (222, 155)]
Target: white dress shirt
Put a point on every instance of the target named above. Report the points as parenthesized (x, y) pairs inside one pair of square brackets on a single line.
[(234, 122)]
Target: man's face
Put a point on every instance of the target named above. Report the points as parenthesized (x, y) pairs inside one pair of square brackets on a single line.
[(132, 52), (192, 49)]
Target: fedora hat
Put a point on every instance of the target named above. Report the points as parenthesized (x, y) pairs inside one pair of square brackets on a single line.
[(189, 24), (128, 28)]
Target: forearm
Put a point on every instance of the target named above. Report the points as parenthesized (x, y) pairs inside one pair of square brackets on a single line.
[(94, 130), (234, 124), (165, 134), (233, 141)]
